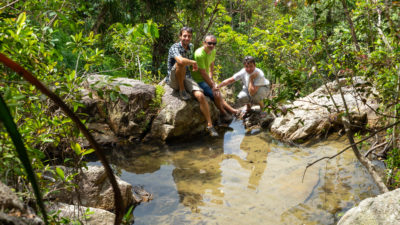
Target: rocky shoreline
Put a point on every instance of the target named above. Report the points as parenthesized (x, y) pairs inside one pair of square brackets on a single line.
[(138, 119)]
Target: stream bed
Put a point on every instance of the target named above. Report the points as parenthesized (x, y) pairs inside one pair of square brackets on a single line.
[(242, 178)]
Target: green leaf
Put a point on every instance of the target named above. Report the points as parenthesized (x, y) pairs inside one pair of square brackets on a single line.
[(128, 216), (67, 160), (113, 96), (47, 140), (60, 173), (77, 148), (124, 98), (88, 151), (100, 93), (154, 31), (18, 97), (21, 19), (76, 107)]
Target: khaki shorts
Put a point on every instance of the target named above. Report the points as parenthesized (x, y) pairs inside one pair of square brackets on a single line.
[(190, 84), (244, 96)]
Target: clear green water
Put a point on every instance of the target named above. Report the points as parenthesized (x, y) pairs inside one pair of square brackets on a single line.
[(245, 179)]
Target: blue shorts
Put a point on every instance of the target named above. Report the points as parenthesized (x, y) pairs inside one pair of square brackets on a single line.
[(206, 89)]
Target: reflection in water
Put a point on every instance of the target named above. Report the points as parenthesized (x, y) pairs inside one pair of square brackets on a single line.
[(197, 172), (227, 181), (256, 159)]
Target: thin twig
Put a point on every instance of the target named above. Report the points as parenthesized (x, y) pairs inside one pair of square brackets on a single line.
[(387, 147), (374, 148)]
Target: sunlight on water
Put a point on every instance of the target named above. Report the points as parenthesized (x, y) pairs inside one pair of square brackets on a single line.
[(245, 179)]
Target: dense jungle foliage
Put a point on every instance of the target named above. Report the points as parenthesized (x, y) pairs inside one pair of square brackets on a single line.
[(299, 44)]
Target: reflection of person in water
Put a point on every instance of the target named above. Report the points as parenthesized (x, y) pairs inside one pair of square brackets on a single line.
[(256, 159), (197, 172)]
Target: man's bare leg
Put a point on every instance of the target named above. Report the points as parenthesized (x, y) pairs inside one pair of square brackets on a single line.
[(222, 105), (180, 74), (203, 106), (219, 102), (229, 107)]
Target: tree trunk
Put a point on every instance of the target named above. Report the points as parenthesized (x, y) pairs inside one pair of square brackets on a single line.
[(100, 19)]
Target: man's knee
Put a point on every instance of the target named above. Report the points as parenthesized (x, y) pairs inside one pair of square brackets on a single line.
[(199, 96), (180, 67), (243, 101), (217, 97)]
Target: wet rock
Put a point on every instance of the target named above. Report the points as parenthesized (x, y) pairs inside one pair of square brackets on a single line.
[(383, 209), (141, 195), (316, 114), (179, 118), (256, 119)]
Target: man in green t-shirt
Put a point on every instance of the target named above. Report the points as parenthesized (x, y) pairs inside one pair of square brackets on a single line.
[(205, 57)]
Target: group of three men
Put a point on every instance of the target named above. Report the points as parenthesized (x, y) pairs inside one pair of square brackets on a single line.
[(200, 82)]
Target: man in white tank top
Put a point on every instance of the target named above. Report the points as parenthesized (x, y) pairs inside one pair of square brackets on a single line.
[(255, 85)]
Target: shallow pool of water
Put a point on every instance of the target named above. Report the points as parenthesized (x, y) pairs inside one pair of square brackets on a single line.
[(244, 178)]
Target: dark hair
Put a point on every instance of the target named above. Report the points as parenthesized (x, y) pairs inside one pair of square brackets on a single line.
[(209, 35), (187, 29), (249, 59)]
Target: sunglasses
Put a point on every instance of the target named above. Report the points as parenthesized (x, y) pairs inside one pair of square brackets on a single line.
[(211, 43)]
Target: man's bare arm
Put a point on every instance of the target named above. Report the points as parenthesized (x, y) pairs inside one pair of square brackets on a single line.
[(207, 78), (252, 88), (226, 82), (211, 71), (186, 62)]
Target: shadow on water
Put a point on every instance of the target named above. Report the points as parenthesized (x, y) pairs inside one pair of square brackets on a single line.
[(244, 178)]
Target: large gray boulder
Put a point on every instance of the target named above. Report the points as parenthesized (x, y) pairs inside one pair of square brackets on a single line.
[(315, 114), (95, 190), (140, 116), (126, 118), (383, 209), (179, 118)]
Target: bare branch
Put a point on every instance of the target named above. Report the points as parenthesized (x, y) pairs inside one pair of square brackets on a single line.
[(374, 148), (8, 5)]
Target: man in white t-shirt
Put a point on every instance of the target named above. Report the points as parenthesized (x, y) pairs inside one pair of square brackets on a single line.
[(255, 85)]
